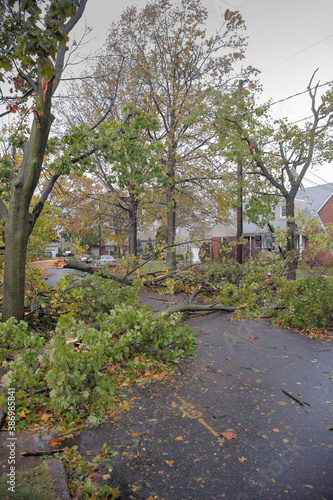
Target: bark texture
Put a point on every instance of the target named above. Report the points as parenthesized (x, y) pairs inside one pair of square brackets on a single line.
[(20, 222)]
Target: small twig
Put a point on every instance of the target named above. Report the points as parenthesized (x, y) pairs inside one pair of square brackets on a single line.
[(212, 369), (159, 298), (180, 368), (142, 434), (295, 399), (39, 391)]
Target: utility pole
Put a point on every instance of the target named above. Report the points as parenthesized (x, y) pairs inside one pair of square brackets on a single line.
[(239, 248)]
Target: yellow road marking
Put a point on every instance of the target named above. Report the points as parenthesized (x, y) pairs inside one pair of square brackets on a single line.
[(189, 411), (208, 427)]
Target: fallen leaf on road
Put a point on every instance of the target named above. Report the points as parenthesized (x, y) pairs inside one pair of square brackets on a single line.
[(179, 438), (253, 337), (242, 459), (228, 435), (169, 462)]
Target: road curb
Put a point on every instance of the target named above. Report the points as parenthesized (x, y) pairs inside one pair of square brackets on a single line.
[(58, 478)]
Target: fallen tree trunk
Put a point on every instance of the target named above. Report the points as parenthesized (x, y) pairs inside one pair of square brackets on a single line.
[(190, 307), (81, 266), (86, 268)]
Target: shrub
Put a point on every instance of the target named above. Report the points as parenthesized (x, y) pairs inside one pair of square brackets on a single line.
[(161, 236), (308, 303), (83, 367), (204, 252), (224, 250)]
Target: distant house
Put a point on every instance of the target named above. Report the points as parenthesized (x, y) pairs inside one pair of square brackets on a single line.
[(183, 240), (110, 247), (320, 202), (186, 245), (316, 201), (52, 250), (150, 232)]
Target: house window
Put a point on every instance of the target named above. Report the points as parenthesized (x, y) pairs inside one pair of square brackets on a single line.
[(257, 240), (269, 241), (283, 211)]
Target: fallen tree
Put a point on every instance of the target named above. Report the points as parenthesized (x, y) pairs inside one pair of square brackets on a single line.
[(245, 291), (185, 306)]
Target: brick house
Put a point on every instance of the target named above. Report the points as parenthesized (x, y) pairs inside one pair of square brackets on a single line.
[(321, 201), (317, 200)]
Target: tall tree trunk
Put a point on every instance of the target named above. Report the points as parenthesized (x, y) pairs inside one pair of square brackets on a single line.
[(133, 225), (171, 229), (16, 241), (20, 222), (292, 257), (239, 247), (171, 207)]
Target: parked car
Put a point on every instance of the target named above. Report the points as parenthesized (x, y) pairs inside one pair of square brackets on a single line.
[(86, 258), (106, 259)]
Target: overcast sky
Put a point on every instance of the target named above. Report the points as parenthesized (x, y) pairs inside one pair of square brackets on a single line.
[(287, 41)]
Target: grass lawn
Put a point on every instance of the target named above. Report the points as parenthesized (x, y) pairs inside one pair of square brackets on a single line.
[(31, 484), (154, 266)]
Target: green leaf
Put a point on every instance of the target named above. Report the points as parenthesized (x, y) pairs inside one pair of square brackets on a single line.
[(92, 419)]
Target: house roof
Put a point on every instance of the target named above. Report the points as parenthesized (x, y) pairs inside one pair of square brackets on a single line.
[(227, 230), (221, 229), (143, 236), (250, 228), (318, 195)]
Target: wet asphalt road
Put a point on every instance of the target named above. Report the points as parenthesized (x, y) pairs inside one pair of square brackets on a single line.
[(52, 276), (221, 425)]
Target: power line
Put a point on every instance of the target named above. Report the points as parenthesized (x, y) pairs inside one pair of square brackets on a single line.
[(297, 53), (300, 93), (315, 184), (328, 186)]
